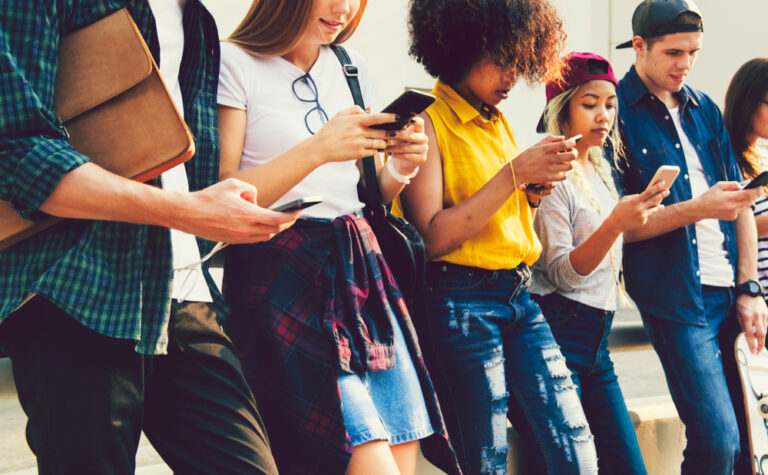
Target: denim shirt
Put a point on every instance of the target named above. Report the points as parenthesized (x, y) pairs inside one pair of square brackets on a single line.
[(662, 274)]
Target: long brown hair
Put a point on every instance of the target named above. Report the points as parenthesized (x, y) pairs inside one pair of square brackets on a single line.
[(275, 27), (745, 94)]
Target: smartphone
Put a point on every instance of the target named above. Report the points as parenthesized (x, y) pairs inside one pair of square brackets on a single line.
[(572, 141), (758, 181), (410, 103), (668, 173), (301, 203)]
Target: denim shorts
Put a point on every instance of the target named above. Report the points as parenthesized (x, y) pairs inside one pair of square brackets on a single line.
[(386, 404)]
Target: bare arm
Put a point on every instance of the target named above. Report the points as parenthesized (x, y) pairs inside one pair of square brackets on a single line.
[(444, 230), (762, 225), (347, 136), (222, 212)]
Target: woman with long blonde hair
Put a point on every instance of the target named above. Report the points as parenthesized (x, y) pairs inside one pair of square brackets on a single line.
[(576, 280), (324, 336)]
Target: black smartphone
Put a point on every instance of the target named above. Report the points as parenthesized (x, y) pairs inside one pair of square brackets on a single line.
[(301, 203), (759, 180), (410, 103)]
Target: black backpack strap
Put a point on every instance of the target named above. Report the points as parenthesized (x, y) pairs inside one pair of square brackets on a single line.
[(372, 193)]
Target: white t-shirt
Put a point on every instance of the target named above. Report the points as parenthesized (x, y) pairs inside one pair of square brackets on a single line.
[(275, 118), (187, 284), (714, 265)]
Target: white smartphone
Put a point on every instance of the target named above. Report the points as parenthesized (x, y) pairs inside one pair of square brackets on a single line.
[(301, 203), (668, 173), (571, 142)]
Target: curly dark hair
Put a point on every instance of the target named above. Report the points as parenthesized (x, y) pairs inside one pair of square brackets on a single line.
[(449, 36)]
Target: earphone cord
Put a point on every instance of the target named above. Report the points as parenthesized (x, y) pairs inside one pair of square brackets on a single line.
[(193, 266)]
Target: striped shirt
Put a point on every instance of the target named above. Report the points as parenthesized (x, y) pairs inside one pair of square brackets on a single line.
[(114, 278), (761, 207)]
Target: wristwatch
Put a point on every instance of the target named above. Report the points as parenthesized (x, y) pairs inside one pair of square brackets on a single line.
[(749, 287)]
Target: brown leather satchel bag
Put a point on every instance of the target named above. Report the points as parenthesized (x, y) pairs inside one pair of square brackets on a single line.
[(116, 109)]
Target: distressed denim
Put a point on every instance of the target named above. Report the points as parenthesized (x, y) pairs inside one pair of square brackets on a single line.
[(702, 376), (582, 333), (492, 357)]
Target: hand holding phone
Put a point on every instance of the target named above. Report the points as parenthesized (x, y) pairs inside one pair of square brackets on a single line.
[(298, 204), (410, 103), (668, 173)]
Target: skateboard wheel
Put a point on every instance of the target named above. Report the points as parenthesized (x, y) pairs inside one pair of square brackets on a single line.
[(762, 406)]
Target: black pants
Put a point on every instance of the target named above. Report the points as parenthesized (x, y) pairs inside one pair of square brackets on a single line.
[(88, 397)]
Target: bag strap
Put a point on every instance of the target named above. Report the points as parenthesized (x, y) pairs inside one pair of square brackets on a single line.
[(371, 191)]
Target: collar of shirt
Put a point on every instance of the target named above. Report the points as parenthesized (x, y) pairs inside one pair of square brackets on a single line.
[(463, 109), (635, 90)]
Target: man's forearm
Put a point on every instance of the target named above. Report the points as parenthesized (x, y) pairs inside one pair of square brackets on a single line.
[(667, 219), (90, 192)]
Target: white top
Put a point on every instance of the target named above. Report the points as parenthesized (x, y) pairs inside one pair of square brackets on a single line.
[(275, 118), (187, 284), (565, 220), (714, 266), (761, 208)]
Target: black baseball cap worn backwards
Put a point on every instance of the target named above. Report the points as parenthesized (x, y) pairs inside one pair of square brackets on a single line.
[(654, 18)]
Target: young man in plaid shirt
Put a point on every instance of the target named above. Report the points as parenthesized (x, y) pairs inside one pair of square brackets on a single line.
[(99, 350)]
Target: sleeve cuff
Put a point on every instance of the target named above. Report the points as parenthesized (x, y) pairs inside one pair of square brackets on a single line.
[(35, 174)]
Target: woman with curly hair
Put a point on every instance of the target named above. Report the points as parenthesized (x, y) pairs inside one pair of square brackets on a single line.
[(323, 333), (491, 352), (746, 118)]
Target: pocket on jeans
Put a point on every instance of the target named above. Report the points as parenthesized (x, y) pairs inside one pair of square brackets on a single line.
[(450, 281)]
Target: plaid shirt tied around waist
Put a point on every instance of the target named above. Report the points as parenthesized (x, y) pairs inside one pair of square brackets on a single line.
[(315, 300)]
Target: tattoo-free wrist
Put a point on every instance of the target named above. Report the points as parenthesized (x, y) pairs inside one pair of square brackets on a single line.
[(405, 179)]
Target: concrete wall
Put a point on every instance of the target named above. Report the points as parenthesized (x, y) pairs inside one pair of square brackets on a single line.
[(735, 32)]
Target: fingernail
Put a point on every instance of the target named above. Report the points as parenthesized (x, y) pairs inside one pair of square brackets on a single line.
[(392, 133), (397, 117), (412, 120)]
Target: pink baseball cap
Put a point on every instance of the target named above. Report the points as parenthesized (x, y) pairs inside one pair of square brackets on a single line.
[(578, 68)]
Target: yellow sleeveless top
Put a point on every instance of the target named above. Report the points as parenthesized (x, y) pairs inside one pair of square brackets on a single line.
[(473, 150)]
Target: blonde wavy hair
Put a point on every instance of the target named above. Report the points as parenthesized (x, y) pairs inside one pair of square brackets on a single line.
[(556, 114), (275, 27)]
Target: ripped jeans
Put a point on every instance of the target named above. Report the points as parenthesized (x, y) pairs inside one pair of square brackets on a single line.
[(492, 356)]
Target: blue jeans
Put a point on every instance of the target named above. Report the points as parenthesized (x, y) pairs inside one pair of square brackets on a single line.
[(703, 379), (493, 357), (582, 333)]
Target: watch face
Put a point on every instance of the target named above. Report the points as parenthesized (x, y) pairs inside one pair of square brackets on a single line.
[(753, 288)]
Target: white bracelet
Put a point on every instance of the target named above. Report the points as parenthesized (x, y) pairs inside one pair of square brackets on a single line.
[(405, 179)]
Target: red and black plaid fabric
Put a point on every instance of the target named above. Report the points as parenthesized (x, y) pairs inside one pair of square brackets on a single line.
[(306, 304)]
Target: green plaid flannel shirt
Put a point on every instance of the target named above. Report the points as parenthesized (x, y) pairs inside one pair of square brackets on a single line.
[(114, 278)]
